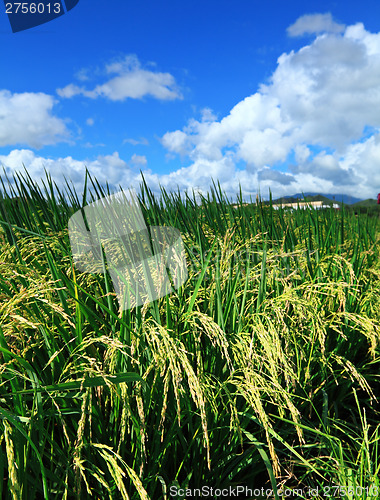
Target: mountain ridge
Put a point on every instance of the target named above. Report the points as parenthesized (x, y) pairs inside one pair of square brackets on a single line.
[(336, 198)]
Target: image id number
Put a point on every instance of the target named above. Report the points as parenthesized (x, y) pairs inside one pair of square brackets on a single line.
[(32, 8), (342, 491)]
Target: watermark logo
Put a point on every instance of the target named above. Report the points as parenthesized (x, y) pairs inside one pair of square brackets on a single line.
[(111, 235), (26, 15)]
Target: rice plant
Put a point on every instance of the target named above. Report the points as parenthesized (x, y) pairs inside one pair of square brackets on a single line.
[(260, 371)]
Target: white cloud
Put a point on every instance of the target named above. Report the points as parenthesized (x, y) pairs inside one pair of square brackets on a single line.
[(316, 110), (82, 75), (143, 141), (208, 115), (364, 159), (27, 119), (327, 167), (325, 173), (314, 24), (314, 126), (139, 160), (106, 168), (268, 174), (177, 142), (131, 81), (301, 153), (70, 91), (90, 122)]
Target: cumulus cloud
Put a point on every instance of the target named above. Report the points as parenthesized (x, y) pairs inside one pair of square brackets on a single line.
[(364, 159), (310, 120), (117, 172), (328, 167), (106, 168), (274, 175), (131, 80), (27, 119), (313, 126), (348, 174), (313, 24), (139, 160)]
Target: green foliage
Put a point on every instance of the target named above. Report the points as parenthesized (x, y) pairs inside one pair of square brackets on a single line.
[(262, 370)]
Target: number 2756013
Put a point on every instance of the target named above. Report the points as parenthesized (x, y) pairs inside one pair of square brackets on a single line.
[(33, 8)]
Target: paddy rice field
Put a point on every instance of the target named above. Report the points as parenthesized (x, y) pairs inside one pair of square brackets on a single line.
[(261, 371)]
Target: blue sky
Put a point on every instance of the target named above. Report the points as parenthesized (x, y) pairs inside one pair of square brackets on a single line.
[(269, 95)]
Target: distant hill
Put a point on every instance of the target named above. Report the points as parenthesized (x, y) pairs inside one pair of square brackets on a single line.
[(307, 197), (337, 198), (354, 205), (365, 203), (366, 206)]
